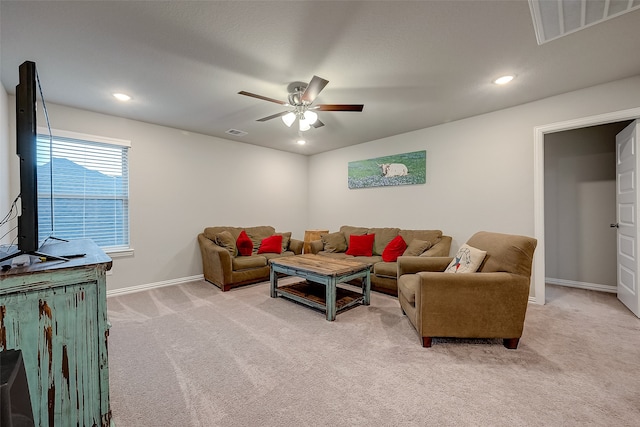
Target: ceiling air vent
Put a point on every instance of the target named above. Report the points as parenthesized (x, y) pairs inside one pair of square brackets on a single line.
[(236, 132), (556, 18)]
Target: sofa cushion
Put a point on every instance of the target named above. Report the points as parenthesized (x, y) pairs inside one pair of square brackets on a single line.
[(348, 230), (467, 260), (408, 285), (432, 236), (417, 247), (272, 244), (386, 269), (226, 240), (361, 245), (244, 244), (258, 234), (334, 242), (286, 238), (383, 237), (246, 262), (394, 249), (210, 232), (270, 256)]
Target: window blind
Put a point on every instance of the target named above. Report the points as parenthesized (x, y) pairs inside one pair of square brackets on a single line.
[(83, 189)]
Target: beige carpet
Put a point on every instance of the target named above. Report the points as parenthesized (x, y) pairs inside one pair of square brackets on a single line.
[(191, 355)]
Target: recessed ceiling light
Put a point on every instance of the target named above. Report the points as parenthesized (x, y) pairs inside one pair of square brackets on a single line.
[(301, 142), (503, 80), (121, 96)]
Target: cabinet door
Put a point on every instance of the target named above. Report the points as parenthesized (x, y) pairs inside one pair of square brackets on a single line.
[(57, 330)]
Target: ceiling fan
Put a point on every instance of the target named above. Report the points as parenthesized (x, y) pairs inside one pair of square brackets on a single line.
[(301, 97)]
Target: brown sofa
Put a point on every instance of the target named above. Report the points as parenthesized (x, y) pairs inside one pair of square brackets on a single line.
[(225, 268), (384, 274)]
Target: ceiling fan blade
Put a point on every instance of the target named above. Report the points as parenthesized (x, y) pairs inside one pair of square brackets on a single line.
[(273, 116), (339, 107), (315, 86), (253, 95), (317, 124)]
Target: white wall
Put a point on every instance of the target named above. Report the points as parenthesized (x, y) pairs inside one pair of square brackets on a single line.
[(182, 182), (479, 170), (580, 194), (5, 196), (5, 154), (479, 177)]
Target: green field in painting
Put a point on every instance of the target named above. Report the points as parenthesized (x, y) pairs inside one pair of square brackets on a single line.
[(367, 173)]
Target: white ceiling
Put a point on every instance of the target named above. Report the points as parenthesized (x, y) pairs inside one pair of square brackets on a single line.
[(412, 64)]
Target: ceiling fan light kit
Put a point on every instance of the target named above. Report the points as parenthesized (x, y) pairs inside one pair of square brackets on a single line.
[(301, 98), (305, 119), (289, 118)]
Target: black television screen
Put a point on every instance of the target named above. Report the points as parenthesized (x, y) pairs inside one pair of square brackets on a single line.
[(27, 151), (26, 135)]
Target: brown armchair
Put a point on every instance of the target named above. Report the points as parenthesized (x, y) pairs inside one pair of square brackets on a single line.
[(490, 303)]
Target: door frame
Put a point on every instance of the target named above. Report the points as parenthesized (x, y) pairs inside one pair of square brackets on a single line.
[(538, 182)]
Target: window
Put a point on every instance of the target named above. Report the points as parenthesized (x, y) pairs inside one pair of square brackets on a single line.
[(83, 188)]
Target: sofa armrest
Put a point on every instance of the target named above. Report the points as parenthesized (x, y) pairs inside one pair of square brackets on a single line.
[(216, 261), (468, 297), (415, 264), (316, 246), (296, 246)]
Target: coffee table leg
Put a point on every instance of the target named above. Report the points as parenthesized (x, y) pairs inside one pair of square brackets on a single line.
[(330, 299), (273, 278), (366, 289)]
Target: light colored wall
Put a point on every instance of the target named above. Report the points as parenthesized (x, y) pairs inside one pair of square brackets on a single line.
[(182, 182), (580, 187), (479, 170), (5, 154), (479, 176), (5, 186)]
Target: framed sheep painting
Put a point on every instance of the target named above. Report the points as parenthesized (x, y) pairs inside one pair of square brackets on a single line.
[(397, 169)]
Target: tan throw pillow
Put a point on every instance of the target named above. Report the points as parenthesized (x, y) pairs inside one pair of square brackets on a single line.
[(467, 260), (417, 247), (225, 240), (286, 237), (334, 242), (384, 235)]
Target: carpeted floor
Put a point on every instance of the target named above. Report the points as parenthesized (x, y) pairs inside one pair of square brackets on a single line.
[(191, 355)]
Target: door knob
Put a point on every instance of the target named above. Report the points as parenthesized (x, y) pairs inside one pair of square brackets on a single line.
[(616, 225)]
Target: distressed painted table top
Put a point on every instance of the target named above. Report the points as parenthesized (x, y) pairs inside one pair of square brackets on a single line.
[(91, 255)]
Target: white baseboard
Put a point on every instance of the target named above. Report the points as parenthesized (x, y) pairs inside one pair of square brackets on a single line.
[(581, 285), (145, 287)]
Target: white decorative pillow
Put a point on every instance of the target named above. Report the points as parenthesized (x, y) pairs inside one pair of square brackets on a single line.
[(467, 260)]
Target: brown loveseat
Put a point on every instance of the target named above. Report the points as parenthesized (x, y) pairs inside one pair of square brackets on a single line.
[(226, 268), (488, 303), (424, 243)]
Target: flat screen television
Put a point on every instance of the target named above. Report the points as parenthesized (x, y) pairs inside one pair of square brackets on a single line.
[(26, 149)]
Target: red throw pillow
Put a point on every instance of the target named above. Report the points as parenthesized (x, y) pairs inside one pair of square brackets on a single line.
[(271, 244), (244, 244), (361, 245), (394, 249)]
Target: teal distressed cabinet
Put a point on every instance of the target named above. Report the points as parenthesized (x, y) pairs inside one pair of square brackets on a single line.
[(56, 313)]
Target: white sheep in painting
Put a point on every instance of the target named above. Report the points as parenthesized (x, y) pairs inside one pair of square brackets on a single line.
[(393, 169)]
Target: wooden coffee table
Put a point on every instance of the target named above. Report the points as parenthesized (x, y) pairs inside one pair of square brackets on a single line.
[(322, 274)]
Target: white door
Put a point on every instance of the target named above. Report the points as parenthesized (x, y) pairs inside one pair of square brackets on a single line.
[(627, 214)]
